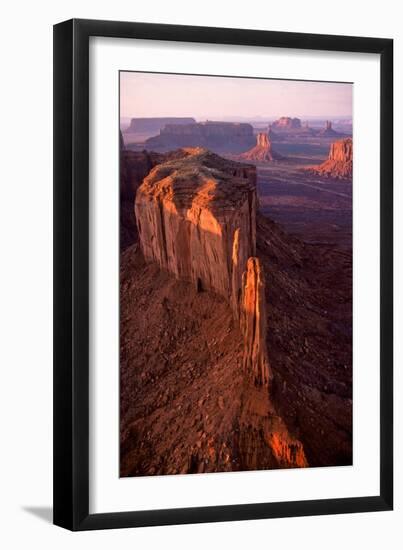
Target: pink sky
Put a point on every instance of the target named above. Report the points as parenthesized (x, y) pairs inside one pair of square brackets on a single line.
[(151, 95)]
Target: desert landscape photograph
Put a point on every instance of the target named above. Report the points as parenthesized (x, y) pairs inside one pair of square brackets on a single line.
[(235, 274)]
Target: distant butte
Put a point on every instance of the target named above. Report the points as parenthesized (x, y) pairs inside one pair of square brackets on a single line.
[(339, 163), (328, 131), (262, 152)]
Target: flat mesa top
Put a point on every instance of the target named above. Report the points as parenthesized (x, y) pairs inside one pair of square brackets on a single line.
[(202, 178)]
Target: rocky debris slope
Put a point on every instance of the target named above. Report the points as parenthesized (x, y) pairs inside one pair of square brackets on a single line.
[(216, 136), (186, 405), (339, 164), (196, 217), (309, 297), (262, 151)]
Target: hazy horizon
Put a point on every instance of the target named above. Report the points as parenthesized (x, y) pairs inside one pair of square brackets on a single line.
[(220, 98)]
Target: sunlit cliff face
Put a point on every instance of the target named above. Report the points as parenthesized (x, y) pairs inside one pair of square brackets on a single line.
[(253, 322), (196, 218)]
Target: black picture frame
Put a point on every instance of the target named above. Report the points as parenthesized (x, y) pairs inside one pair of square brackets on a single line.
[(71, 274)]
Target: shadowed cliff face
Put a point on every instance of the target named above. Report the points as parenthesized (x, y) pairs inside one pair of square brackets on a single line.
[(339, 163), (134, 167)]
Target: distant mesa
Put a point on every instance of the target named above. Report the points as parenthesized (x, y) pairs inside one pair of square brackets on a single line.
[(287, 127), (196, 217), (262, 152), (216, 136), (339, 163), (287, 123), (151, 125)]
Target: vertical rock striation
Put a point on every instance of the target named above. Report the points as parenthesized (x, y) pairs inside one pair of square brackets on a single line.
[(196, 217), (253, 322)]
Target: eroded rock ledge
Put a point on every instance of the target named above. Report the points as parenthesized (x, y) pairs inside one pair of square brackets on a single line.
[(196, 217)]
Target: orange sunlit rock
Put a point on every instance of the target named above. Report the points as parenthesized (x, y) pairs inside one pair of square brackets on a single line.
[(196, 217), (340, 161), (253, 322), (192, 214)]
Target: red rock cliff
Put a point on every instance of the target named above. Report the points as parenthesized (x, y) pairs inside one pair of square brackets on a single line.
[(196, 217)]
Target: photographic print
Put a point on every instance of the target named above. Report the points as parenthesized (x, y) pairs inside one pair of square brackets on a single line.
[(235, 274)]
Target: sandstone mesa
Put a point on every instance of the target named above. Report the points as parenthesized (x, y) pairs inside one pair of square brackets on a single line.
[(196, 217)]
